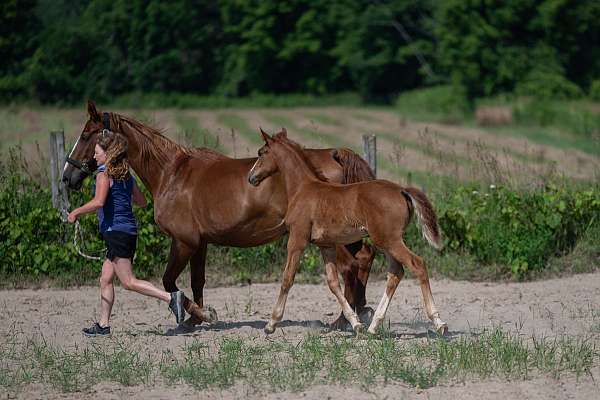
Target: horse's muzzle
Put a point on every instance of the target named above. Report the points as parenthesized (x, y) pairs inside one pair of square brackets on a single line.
[(253, 180)]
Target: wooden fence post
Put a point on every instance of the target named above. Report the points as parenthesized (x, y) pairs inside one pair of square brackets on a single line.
[(370, 151), (60, 195)]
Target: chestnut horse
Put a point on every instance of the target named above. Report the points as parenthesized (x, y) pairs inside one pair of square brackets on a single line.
[(201, 197), (329, 214)]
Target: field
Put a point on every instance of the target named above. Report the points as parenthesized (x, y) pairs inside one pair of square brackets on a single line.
[(507, 340), (407, 150)]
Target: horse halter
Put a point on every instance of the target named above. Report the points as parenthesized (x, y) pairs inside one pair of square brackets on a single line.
[(88, 167)]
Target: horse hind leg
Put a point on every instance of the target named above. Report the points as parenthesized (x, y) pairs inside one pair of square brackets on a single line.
[(329, 256), (394, 276), (417, 266)]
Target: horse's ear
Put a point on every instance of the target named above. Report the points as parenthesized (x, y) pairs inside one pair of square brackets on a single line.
[(265, 135), (93, 112), (283, 133)]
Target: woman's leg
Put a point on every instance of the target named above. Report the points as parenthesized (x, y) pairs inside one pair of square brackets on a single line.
[(130, 282), (107, 292)]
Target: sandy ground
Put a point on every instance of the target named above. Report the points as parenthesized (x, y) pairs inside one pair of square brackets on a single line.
[(545, 308)]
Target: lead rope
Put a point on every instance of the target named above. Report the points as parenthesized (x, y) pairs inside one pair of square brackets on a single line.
[(77, 234)]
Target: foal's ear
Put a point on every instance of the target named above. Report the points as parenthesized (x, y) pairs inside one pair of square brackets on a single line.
[(93, 112), (265, 135), (283, 133)]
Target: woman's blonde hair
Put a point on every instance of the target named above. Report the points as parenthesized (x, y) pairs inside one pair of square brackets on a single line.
[(115, 146)]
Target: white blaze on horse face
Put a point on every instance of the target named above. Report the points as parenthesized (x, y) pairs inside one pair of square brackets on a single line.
[(254, 166), (71, 153)]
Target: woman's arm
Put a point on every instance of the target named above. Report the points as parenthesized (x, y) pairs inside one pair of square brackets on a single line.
[(102, 186), (138, 197)]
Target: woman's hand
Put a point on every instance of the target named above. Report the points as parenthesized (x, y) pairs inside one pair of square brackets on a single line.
[(72, 217)]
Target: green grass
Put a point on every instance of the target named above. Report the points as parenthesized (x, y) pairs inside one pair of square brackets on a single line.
[(282, 365)]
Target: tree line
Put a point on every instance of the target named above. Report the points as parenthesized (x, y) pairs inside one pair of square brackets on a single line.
[(62, 51)]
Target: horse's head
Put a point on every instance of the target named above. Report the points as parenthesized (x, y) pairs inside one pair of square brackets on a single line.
[(265, 165), (80, 163)]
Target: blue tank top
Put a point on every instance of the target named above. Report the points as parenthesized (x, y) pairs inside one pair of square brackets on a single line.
[(117, 213)]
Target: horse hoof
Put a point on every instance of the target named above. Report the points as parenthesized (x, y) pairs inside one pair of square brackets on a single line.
[(191, 322), (442, 330), (212, 315), (366, 315), (269, 329), (340, 324), (359, 328)]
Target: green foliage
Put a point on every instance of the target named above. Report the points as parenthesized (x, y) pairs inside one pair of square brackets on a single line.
[(439, 103), (31, 234), (19, 29), (519, 230), (595, 90), (64, 51), (548, 85), (491, 48)]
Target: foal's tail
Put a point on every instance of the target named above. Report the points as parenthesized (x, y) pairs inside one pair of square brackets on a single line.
[(425, 216), (355, 169)]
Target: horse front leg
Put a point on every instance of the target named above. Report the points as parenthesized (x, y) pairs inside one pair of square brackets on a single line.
[(198, 279), (295, 247), (178, 258)]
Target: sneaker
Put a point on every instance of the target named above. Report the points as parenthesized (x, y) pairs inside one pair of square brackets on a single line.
[(96, 330), (176, 306)]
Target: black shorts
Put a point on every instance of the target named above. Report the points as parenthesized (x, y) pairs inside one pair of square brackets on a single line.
[(119, 244)]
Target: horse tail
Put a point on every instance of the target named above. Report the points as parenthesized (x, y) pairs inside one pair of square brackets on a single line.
[(354, 168), (425, 216)]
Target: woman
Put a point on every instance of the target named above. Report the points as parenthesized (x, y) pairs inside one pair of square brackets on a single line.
[(114, 192)]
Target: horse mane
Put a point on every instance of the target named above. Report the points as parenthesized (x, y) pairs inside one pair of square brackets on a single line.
[(355, 168), (282, 137), (156, 145)]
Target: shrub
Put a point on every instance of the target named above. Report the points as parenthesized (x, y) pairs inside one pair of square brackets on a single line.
[(519, 230), (548, 85)]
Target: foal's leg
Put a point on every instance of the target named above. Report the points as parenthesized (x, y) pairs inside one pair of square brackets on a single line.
[(394, 276), (329, 256), (419, 269), (295, 247)]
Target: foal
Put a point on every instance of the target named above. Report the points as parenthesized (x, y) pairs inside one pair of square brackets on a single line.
[(329, 214)]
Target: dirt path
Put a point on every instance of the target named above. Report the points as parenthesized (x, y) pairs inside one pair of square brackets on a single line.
[(568, 306)]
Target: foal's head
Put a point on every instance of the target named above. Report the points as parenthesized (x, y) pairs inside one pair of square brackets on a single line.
[(266, 165)]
